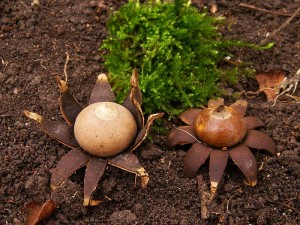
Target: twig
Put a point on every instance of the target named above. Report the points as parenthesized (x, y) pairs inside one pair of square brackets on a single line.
[(296, 98), (4, 63), (288, 84), (263, 10), (65, 67), (296, 78), (261, 166), (281, 27), (73, 196), (254, 93), (205, 198), (228, 202), (41, 61), (109, 198)]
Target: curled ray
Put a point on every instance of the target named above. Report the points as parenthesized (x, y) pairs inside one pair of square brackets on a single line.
[(258, 140), (189, 116), (217, 164), (69, 164), (102, 91), (145, 130), (214, 103), (129, 162), (134, 107), (61, 132), (194, 159), (69, 106), (133, 101), (94, 171), (181, 136), (240, 106), (134, 84), (253, 122), (245, 160)]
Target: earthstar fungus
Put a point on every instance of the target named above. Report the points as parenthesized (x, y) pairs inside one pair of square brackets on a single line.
[(101, 134), (218, 132)]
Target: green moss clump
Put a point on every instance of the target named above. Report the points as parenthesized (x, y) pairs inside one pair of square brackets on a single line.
[(175, 48)]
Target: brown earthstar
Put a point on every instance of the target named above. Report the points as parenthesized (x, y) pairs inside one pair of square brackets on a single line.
[(218, 132), (104, 133)]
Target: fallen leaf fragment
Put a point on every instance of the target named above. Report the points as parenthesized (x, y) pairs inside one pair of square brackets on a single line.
[(270, 83), (37, 211)]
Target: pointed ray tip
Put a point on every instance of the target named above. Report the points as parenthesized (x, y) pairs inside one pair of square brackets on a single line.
[(144, 176), (158, 115), (90, 202), (32, 115), (134, 78), (145, 180), (240, 106), (214, 103), (102, 77), (213, 189), (86, 201), (142, 172), (214, 184), (251, 182), (62, 84), (152, 117)]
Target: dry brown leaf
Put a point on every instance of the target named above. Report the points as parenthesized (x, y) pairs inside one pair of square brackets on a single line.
[(270, 83), (37, 211)]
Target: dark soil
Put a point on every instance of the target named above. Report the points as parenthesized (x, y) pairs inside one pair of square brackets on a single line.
[(33, 42)]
